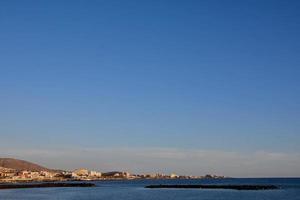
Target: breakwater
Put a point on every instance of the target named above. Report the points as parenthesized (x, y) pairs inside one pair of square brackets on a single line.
[(44, 185), (233, 187)]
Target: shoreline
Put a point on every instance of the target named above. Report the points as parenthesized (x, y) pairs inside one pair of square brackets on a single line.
[(12, 181)]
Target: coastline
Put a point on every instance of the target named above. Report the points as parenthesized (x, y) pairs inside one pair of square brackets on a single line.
[(28, 181)]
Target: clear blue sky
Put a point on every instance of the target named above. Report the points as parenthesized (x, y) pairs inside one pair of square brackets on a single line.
[(209, 75)]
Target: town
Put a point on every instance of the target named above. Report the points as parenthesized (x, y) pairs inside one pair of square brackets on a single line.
[(13, 175)]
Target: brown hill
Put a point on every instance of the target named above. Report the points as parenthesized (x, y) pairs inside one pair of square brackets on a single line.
[(22, 165)]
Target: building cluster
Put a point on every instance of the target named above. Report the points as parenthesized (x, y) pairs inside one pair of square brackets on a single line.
[(7, 174), (83, 174)]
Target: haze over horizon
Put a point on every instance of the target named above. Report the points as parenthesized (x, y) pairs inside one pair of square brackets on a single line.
[(191, 87)]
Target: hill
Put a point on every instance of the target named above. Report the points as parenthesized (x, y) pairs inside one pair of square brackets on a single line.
[(22, 165)]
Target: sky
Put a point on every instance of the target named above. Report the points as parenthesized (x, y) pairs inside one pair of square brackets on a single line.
[(190, 87)]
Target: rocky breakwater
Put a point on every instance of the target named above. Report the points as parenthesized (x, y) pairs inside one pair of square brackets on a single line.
[(233, 187), (44, 185)]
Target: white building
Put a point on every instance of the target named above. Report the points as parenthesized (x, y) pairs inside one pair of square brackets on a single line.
[(95, 174)]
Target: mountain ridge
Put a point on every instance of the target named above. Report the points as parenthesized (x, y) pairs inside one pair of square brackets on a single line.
[(21, 165)]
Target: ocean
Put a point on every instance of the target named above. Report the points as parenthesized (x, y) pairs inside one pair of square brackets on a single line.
[(134, 190)]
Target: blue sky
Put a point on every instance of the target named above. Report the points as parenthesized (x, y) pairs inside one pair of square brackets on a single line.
[(181, 75)]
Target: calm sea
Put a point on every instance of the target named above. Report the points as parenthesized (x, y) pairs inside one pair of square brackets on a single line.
[(134, 190)]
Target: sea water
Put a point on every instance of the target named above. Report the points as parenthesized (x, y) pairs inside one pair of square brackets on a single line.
[(134, 190)]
